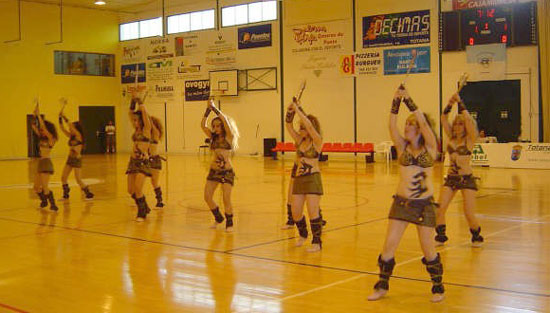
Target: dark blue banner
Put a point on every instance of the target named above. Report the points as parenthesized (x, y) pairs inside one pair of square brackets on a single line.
[(197, 90), (255, 36), (395, 29), (128, 73), (397, 61)]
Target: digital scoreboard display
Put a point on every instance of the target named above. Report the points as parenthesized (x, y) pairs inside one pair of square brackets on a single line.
[(512, 24), (486, 25)]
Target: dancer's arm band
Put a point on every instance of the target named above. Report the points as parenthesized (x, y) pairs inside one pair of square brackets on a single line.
[(410, 104), (396, 103), (133, 104), (218, 112), (461, 107), (290, 116), (60, 120), (208, 110), (448, 109)]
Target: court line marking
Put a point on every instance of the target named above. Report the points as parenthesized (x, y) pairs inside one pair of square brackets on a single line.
[(294, 237), (361, 273), (419, 258), (330, 230), (12, 308)]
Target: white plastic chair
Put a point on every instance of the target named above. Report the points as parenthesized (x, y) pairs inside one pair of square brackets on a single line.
[(384, 147)]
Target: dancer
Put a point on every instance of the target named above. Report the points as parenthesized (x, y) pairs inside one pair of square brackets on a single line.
[(224, 137), (47, 135), (413, 202), (462, 136), (138, 167), (155, 160), (290, 221), (74, 161), (307, 186)]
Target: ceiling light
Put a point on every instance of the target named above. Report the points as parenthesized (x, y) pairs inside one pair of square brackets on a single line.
[(99, 2)]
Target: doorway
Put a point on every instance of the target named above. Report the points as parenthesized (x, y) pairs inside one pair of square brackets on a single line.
[(94, 119), (33, 151), (496, 107)]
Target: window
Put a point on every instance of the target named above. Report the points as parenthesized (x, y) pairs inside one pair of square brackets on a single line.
[(141, 29), (249, 13), (129, 31), (191, 21), (83, 63), (150, 28)]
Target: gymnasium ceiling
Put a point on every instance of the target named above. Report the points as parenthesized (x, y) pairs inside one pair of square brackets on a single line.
[(126, 6)]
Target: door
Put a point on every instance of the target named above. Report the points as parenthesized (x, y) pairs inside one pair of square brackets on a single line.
[(94, 119), (496, 106), (33, 150)]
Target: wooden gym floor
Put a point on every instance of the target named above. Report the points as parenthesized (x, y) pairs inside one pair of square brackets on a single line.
[(93, 257)]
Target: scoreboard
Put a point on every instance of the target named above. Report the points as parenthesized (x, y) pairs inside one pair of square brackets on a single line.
[(486, 25), (513, 25)]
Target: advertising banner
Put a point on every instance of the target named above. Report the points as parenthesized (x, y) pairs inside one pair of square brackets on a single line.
[(512, 155), (128, 73), (221, 50), (187, 45), (132, 53), (163, 91), (197, 90), (368, 63), (160, 48), (407, 28), (318, 37), (255, 36), (161, 70), (397, 61), (472, 4)]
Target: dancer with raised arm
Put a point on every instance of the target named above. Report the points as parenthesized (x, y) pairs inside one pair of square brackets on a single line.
[(74, 161), (47, 136), (307, 184), (413, 201), (224, 137), (462, 136), (138, 167)]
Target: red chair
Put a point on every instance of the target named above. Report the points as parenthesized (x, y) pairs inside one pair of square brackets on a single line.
[(289, 146), (347, 147), (279, 147), (337, 147), (327, 147), (368, 147), (357, 147)]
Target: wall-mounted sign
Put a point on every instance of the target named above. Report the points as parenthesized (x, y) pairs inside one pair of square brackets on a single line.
[(368, 63), (472, 4), (197, 90), (397, 61), (255, 36), (396, 29), (128, 73), (318, 37)]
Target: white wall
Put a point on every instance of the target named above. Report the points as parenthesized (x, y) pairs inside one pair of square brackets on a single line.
[(328, 96)]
